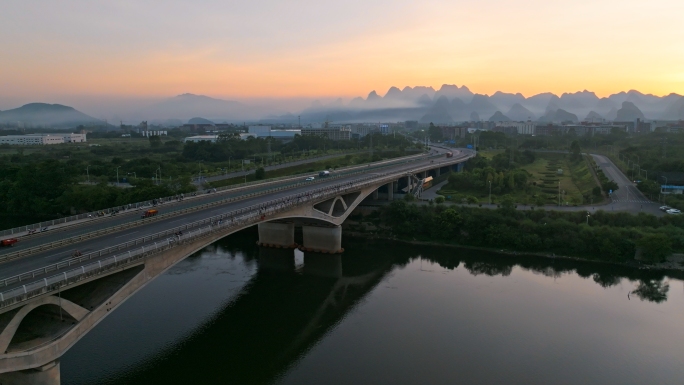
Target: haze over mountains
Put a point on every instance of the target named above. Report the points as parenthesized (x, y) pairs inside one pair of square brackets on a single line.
[(448, 104)]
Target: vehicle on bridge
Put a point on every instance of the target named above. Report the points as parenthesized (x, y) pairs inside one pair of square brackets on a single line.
[(9, 242), (310, 178), (449, 154), (324, 174), (149, 213)]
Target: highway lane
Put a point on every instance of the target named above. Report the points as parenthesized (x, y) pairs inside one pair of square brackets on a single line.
[(627, 197), (274, 167), (70, 230), (40, 259)]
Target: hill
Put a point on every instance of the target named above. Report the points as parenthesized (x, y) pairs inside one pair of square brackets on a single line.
[(47, 115), (629, 112)]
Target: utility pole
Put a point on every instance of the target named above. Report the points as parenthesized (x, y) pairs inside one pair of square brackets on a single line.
[(490, 192), (117, 175), (87, 173), (558, 193)]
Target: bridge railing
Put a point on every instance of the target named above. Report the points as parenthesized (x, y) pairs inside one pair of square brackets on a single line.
[(149, 203), (165, 240), (97, 233)]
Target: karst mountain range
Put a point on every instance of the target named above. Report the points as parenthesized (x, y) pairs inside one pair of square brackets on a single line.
[(448, 104), (452, 103)]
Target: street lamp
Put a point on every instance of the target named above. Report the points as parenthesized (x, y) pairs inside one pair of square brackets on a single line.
[(490, 192), (117, 175), (87, 173), (199, 165), (588, 215)]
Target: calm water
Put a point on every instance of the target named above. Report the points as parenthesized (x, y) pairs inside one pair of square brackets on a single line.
[(387, 314)]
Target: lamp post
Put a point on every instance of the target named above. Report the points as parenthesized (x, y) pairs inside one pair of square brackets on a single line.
[(199, 165), (490, 192), (87, 173), (117, 175), (588, 215)]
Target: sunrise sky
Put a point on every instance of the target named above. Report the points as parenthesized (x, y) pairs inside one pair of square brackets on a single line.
[(316, 48)]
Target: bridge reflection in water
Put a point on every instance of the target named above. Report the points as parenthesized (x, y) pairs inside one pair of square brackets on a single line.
[(290, 303)]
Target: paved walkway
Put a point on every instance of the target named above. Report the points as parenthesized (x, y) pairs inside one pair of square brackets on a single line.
[(431, 193)]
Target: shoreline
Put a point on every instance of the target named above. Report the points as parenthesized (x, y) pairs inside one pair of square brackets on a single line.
[(636, 265)]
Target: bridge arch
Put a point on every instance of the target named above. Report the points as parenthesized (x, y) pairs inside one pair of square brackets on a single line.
[(74, 310)]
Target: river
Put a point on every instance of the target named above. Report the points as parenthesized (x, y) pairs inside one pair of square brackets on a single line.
[(386, 313)]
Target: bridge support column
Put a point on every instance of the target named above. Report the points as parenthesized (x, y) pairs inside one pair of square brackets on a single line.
[(45, 375), (390, 191), (437, 171), (322, 239), (375, 195), (277, 234)]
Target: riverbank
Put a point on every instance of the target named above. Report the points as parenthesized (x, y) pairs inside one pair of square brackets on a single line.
[(664, 266), (598, 236)]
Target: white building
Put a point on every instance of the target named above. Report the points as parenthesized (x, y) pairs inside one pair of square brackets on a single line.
[(201, 138), (42, 139), (148, 133), (74, 138)]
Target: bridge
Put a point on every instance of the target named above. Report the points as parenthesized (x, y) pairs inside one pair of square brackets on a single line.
[(50, 298)]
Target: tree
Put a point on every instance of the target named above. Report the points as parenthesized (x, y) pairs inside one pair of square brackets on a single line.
[(655, 247), (155, 141), (260, 173), (575, 151), (435, 132)]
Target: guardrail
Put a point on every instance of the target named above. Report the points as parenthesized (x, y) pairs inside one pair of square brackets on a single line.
[(67, 241), (289, 200), (238, 219), (148, 203)]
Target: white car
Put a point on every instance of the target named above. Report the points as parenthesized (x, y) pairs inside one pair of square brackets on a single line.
[(665, 208), (673, 211), (310, 178)]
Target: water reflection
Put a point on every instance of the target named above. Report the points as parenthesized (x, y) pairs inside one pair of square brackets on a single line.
[(281, 309)]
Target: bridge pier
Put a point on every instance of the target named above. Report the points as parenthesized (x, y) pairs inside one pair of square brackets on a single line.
[(390, 191), (437, 172), (322, 239), (375, 194), (277, 234), (47, 374)]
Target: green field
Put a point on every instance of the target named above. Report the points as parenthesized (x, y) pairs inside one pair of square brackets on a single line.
[(549, 177)]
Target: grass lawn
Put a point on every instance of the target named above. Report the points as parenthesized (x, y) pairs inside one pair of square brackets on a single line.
[(576, 181)]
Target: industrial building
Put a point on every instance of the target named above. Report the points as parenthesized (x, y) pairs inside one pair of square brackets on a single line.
[(42, 139)]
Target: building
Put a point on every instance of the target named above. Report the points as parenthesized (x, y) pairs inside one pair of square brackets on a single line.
[(269, 132), (201, 138), (42, 139), (337, 132), (149, 133), (411, 125), (74, 138), (671, 189)]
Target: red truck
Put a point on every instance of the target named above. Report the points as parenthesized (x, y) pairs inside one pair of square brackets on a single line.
[(149, 213), (9, 242)]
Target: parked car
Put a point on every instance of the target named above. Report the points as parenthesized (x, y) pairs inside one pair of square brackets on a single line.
[(673, 211), (665, 208), (310, 178)]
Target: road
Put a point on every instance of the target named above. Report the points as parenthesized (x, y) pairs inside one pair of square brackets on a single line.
[(269, 168), (627, 197), (41, 259)]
